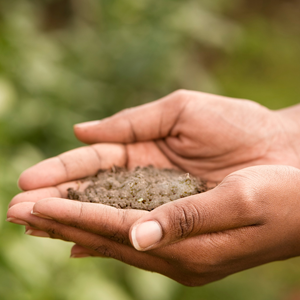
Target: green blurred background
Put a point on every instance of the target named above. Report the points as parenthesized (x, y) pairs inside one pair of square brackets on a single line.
[(69, 61)]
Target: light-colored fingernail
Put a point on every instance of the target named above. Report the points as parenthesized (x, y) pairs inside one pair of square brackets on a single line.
[(17, 221), (146, 235), (80, 255), (37, 214), (38, 233), (87, 124)]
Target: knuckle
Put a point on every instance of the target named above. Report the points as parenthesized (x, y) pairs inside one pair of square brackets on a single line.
[(122, 218), (180, 95), (246, 196), (56, 233), (109, 252), (121, 231), (78, 215), (53, 231), (124, 111), (104, 250), (180, 92), (119, 238), (81, 212), (63, 160), (126, 114), (185, 219)]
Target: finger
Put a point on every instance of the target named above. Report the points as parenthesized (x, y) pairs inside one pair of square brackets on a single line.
[(92, 217), (78, 251), (32, 231), (225, 207), (21, 214), (35, 195), (146, 122), (60, 191), (71, 165), (104, 247), (34, 226), (96, 244), (179, 261)]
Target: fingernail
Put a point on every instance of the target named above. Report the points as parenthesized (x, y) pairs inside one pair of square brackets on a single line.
[(146, 235), (38, 233), (17, 221), (79, 255), (37, 214), (87, 124)]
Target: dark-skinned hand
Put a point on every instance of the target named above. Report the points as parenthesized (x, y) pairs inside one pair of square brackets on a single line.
[(249, 219)]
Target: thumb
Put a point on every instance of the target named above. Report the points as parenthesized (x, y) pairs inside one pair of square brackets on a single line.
[(220, 209), (147, 122)]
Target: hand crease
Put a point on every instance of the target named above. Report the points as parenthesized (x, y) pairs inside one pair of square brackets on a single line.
[(182, 109), (64, 166), (133, 133), (97, 154)]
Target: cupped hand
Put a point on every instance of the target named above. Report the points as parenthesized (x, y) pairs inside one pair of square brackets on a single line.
[(252, 217), (206, 135)]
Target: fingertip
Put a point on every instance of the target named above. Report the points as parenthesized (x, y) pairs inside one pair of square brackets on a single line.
[(86, 125), (23, 180), (44, 202), (56, 208), (78, 251), (48, 172), (47, 208), (15, 200), (83, 130), (30, 178), (19, 210), (35, 195)]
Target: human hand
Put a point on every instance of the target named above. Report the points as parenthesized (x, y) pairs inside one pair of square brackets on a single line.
[(174, 134), (252, 217), (206, 135)]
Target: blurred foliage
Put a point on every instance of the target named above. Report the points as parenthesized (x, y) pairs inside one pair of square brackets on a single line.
[(64, 62)]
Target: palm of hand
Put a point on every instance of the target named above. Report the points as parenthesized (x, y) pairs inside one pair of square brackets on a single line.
[(206, 135), (215, 137)]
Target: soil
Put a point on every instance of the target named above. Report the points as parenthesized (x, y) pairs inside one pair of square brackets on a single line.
[(143, 188)]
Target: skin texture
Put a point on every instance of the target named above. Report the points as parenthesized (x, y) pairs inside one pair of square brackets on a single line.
[(251, 218)]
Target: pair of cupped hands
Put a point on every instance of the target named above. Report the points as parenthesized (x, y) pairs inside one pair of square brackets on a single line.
[(250, 218)]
